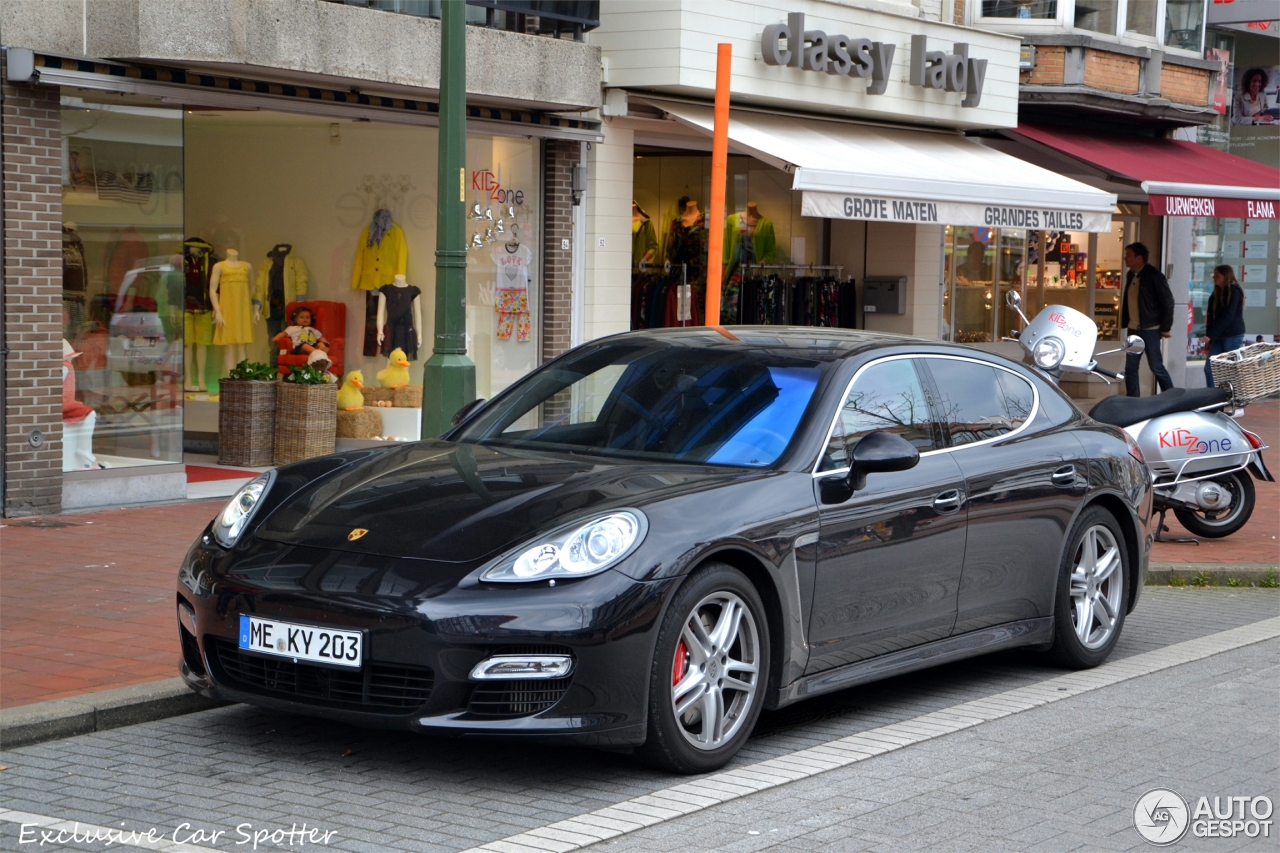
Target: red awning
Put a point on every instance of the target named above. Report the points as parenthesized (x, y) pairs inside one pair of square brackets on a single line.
[(1180, 178)]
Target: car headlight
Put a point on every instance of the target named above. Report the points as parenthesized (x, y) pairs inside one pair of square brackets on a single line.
[(235, 516), (1048, 353), (583, 548)]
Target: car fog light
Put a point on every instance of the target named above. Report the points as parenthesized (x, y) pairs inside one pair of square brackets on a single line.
[(522, 666), (187, 619), (1048, 353)]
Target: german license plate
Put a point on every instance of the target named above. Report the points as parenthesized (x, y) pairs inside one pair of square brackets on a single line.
[(301, 642)]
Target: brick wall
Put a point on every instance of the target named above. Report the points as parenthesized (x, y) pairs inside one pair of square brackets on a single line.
[(1049, 67), (1185, 85), (32, 139), (1111, 72), (957, 16), (559, 158)]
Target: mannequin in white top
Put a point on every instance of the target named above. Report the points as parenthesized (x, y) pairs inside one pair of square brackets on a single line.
[(233, 319), (416, 311)]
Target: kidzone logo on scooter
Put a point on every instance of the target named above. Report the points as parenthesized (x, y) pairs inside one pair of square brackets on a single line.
[(1194, 444), (1060, 320)]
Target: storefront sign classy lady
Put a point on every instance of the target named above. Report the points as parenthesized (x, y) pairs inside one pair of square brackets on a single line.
[(841, 56)]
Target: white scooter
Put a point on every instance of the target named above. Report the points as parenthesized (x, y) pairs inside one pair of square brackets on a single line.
[(1200, 459)]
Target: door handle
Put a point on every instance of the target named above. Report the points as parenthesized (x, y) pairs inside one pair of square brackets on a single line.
[(949, 501), (1065, 476)]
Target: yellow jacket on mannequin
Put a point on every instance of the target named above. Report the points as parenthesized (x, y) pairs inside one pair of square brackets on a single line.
[(380, 264), (295, 282)]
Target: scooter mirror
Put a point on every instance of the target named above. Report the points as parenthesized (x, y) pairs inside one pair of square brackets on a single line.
[(1135, 345), (1014, 299)]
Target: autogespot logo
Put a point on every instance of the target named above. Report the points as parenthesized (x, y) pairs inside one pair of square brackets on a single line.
[(1161, 816)]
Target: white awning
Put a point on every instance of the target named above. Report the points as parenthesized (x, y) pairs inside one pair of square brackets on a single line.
[(853, 171)]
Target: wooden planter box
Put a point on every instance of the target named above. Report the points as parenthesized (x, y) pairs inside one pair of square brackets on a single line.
[(246, 422), (306, 421)]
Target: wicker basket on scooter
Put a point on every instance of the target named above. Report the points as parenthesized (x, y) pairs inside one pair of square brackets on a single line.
[(1253, 371)]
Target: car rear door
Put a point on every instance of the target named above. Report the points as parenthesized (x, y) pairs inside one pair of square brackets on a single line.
[(1025, 477), (890, 555)]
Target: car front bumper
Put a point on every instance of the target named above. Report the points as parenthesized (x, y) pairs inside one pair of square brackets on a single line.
[(420, 651)]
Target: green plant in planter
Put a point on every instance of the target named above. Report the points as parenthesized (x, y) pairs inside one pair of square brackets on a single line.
[(305, 374), (252, 371)]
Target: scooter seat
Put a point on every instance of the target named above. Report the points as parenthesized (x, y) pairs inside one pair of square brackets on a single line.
[(1125, 411)]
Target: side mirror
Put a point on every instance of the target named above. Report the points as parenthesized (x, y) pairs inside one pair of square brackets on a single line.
[(880, 451), (1013, 299), (466, 411), (1135, 345)]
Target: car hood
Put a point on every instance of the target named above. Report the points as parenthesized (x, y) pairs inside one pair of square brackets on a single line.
[(460, 503)]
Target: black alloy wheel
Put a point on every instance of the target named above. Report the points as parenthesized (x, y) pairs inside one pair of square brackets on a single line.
[(709, 674)]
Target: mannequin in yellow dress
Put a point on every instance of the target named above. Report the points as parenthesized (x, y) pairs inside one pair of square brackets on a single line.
[(235, 312)]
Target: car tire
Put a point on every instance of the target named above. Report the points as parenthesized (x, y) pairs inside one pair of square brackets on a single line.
[(699, 669), (1237, 515), (1091, 600)]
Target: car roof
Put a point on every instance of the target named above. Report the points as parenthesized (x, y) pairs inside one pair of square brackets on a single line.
[(817, 343)]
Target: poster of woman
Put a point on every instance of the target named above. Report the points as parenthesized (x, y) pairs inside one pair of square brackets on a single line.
[(1256, 96)]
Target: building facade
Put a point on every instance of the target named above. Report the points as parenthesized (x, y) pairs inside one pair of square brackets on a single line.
[(144, 168)]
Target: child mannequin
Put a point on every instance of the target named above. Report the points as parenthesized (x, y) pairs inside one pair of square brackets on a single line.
[(301, 337), (232, 316)]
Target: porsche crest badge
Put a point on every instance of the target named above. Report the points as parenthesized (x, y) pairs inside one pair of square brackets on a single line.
[(356, 534)]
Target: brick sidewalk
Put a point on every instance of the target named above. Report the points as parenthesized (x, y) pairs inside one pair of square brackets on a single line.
[(87, 599)]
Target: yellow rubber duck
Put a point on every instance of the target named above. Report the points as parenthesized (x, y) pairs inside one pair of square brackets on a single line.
[(349, 397), (396, 374)]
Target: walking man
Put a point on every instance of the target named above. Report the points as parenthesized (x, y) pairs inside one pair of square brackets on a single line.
[(1146, 311)]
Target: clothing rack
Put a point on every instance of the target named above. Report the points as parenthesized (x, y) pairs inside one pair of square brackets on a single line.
[(796, 294), (839, 268)]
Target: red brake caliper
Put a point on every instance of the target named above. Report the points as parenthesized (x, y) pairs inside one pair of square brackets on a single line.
[(681, 664)]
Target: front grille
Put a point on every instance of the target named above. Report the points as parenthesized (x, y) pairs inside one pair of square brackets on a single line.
[(520, 697), (376, 687)]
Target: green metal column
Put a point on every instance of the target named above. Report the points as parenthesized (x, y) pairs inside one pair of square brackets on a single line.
[(449, 377)]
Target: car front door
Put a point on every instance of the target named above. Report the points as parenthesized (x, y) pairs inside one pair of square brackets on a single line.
[(890, 554), (1025, 474)]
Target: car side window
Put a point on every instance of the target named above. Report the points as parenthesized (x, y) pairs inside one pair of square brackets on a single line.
[(888, 396), (977, 401)]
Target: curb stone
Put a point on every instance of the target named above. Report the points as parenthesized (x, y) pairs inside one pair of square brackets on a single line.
[(94, 712), (1248, 574)]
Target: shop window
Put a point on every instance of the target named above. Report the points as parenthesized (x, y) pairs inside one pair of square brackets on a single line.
[(768, 247), (972, 254), (1184, 24), (1140, 17), (123, 296), (1250, 247), (1036, 9), (1098, 16), (1011, 274), (887, 396)]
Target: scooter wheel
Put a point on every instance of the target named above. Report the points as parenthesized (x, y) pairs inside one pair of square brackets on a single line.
[(1213, 525)]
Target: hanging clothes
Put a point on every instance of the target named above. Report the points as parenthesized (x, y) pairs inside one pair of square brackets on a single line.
[(282, 279), (381, 254), (512, 292), (197, 264), (399, 331), (687, 244)]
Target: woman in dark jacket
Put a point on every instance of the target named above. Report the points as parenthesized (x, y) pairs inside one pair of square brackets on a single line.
[(1224, 317)]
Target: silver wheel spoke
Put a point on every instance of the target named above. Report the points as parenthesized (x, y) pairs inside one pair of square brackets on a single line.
[(710, 733), (731, 683), (732, 665), (696, 640), (726, 629), (691, 696), (1084, 619), (1107, 564)]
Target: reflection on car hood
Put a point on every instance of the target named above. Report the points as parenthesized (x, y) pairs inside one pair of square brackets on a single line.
[(451, 502)]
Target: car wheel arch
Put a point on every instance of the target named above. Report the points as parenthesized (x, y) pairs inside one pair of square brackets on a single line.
[(758, 574)]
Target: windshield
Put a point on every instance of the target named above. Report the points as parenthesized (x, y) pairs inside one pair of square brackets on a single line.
[(655, 400)]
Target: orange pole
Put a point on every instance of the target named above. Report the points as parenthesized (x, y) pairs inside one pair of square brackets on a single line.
[(719, 167)]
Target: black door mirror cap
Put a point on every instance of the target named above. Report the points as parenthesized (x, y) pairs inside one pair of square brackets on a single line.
[(878, 452)]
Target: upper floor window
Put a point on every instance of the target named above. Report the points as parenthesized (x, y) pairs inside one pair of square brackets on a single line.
[(1140, 17), (1184, 23), (1098, 16), (1038, 9)]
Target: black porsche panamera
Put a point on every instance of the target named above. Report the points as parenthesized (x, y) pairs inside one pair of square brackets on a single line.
[(651, 538)]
